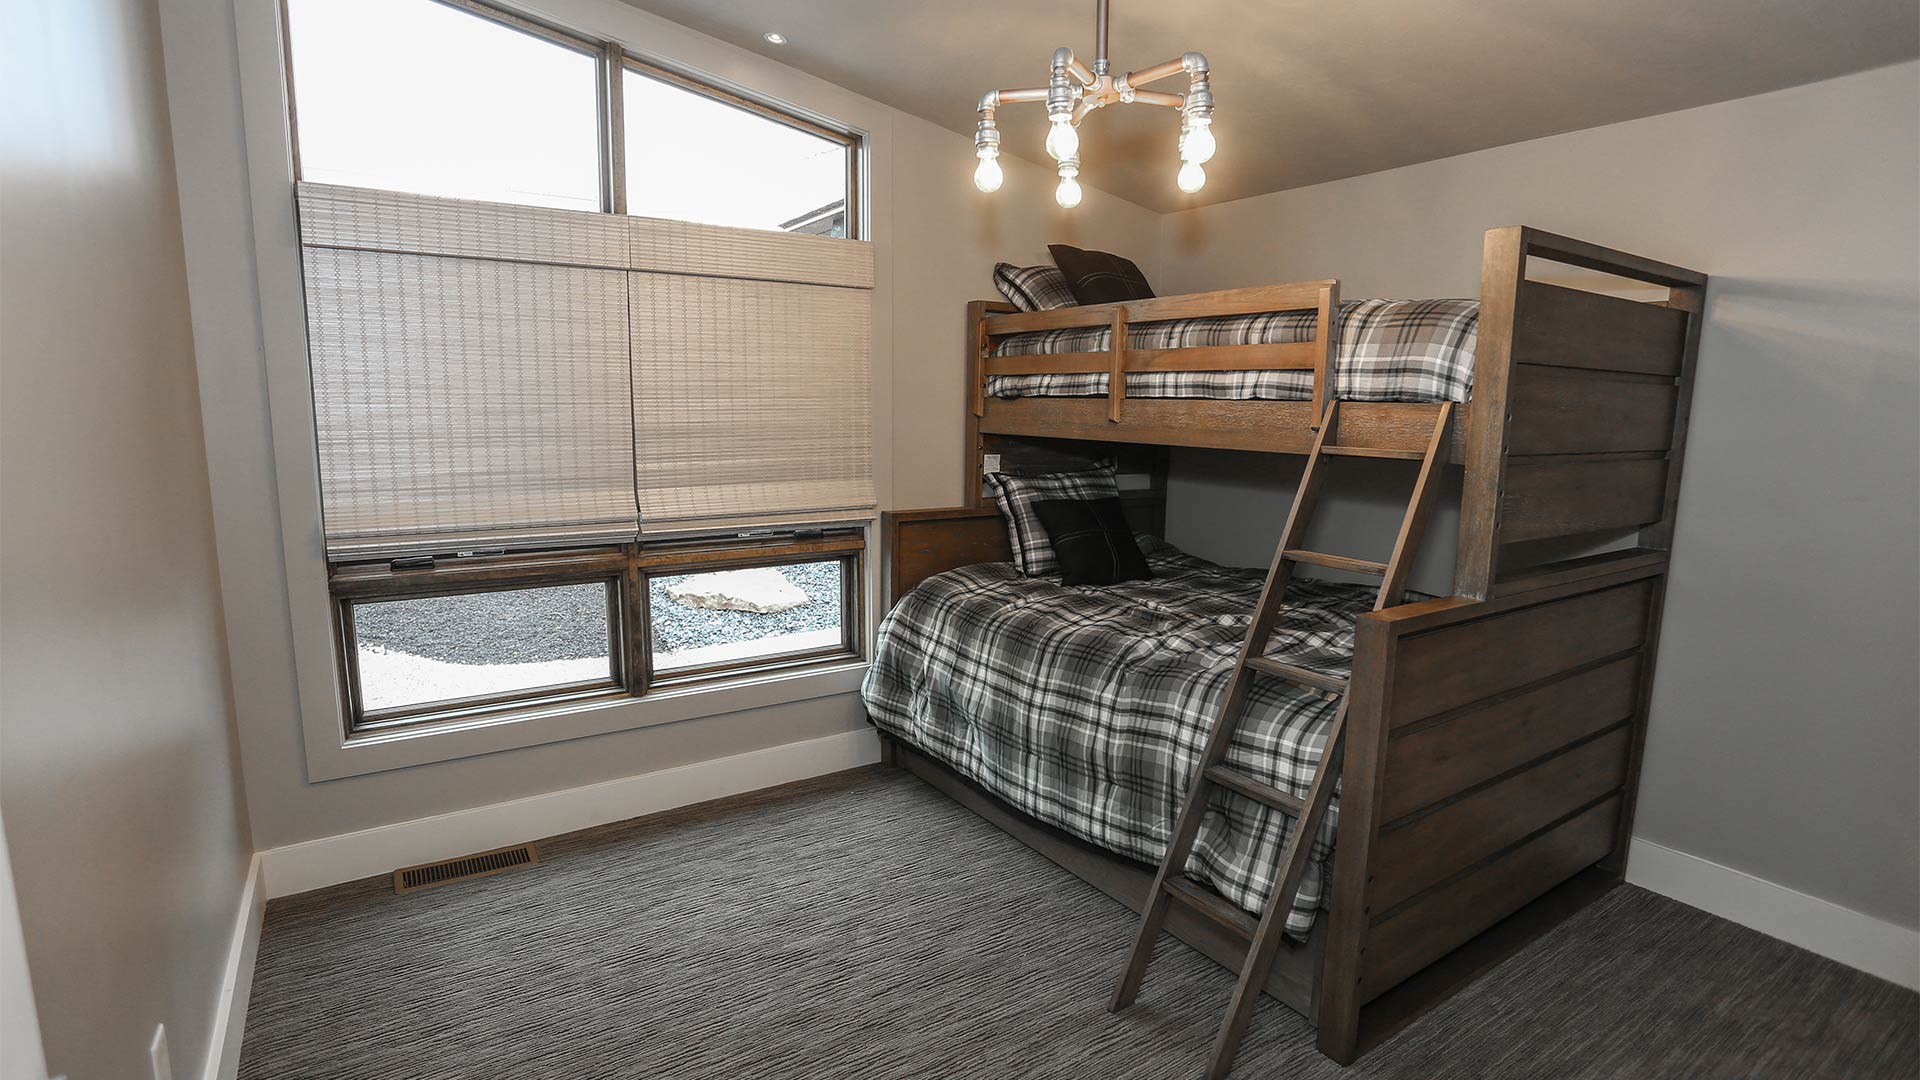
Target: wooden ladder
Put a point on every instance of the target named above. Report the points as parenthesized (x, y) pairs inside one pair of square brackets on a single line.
[(1171, 882)]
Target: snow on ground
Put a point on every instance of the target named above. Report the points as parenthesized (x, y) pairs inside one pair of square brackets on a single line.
[(390, 680)]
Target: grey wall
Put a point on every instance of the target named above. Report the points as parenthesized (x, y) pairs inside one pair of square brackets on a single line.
[(121, 798), (1784, 732)]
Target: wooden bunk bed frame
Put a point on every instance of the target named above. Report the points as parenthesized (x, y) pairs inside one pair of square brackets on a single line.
[(1495, 735)]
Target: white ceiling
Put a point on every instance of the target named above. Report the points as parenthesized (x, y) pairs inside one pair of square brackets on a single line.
[(1309, 92)]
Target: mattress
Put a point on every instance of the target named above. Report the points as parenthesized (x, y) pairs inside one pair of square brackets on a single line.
[(1088, 707), (1389, 350)]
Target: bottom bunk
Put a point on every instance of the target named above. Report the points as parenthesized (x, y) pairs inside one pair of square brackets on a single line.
[(1088, 707), (1488, 779)]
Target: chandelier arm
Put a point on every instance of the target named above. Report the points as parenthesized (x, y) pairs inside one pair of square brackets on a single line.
[(1155, 97), (992, 99), (1155, 73)]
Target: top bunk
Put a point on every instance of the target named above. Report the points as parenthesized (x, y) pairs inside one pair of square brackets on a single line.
[(1570, 403), (1253, 368)]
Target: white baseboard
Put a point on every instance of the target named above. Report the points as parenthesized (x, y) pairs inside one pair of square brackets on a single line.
[(1821, 926), (236, 979), (332, 860)]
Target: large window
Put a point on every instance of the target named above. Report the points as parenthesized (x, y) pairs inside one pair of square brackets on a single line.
[(464, 100), (589, 346)]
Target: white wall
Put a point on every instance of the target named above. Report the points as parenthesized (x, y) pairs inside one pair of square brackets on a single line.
[(935, 242), (124, 814), (1784, 736)]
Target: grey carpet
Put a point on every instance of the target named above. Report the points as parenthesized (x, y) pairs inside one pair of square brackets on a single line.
[(865, 926)]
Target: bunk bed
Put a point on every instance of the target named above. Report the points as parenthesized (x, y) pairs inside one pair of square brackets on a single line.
[(1494, 736)]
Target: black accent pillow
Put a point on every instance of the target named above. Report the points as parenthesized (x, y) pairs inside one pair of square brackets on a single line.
[(1099, 277), (1092, 541)]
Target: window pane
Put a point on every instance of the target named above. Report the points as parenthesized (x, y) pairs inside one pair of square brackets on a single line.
[(737, 616), (411, 95), (442, 648), (694, 158)]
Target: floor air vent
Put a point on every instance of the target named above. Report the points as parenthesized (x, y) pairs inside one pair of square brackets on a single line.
[(427, 875)]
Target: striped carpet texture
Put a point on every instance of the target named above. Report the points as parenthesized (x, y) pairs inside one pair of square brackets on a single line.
[(863, 926)]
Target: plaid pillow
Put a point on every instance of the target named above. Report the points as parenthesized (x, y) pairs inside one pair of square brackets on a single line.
[(1032, 553), (1032, 288)]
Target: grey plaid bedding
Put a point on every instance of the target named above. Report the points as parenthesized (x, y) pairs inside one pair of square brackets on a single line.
[(1087, 707), (1390, 350)]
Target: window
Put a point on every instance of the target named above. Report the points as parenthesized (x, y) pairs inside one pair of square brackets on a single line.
[(436, 640), (416, 95), (695, 156), (432, 653), (711, 618), (464, 100), (575, 326)]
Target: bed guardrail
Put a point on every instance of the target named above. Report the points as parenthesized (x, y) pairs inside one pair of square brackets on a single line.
[(1320, 297)]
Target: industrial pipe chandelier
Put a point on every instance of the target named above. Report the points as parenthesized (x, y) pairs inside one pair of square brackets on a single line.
[(1074, 90)]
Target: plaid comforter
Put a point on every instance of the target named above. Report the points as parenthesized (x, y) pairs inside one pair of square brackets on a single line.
[(1088, 707), (1390, 350)]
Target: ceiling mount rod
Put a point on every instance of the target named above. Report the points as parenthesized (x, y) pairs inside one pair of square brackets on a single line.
[(1102, 65)]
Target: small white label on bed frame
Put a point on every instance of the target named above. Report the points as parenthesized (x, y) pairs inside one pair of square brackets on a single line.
[(990, 463)]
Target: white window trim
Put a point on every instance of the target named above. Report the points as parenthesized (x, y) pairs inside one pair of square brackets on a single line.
[(282, 304)]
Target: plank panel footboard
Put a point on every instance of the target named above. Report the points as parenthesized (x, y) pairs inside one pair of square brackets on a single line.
[(1490, 760)]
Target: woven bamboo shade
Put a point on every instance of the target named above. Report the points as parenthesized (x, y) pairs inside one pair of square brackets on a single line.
[(491, 376)]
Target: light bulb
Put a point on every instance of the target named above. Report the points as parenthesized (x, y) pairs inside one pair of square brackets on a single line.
[(1198, 146), (1063, 141), (1068, 193), (988, 176), (1192, 177)]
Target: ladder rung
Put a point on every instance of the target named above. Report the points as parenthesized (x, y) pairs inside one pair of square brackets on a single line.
[(1211, 904), (1338, 562), (1280, 669), (1256, 790), (1374, 452)]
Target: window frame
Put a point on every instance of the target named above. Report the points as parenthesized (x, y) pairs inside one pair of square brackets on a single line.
[(612, 61), (625, 570), (352, 584)]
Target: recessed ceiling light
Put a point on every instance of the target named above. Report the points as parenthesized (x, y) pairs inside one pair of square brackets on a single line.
[(775, 39)]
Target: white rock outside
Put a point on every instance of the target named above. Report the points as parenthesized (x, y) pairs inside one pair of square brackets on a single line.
[(761, 589)]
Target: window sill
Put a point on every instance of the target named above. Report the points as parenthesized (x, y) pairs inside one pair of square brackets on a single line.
[(536, 724)]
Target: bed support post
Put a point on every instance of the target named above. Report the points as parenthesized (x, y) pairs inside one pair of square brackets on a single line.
[(1327, 335), (1692, 299), (1503, 266), (973, 458)]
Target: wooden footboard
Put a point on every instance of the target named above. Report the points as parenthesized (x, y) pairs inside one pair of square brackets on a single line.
[(1490, 752)]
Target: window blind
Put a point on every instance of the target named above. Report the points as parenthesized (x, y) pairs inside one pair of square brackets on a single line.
[(752, 387), (491, 376)]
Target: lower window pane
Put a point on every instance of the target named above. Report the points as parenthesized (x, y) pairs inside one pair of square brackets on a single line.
[(727, 617), (446, 648)]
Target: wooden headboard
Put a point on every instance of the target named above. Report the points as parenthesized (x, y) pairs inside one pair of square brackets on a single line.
[(922, 543)]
